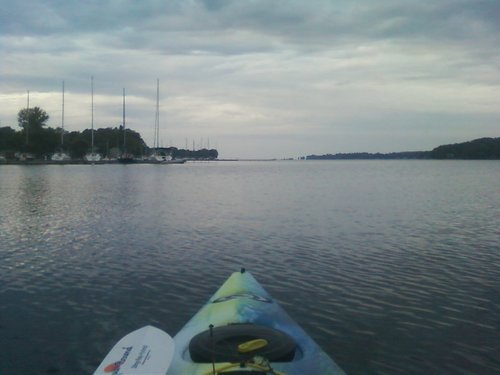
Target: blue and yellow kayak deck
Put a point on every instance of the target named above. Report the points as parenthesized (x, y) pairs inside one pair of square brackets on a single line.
[(240, 330)]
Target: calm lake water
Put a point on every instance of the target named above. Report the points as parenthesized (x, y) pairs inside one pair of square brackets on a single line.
[(393, 267)]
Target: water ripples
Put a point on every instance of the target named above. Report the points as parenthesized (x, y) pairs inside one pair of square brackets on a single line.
[(392, 267)]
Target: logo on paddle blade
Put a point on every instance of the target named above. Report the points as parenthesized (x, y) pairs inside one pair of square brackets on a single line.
[(112, 367)]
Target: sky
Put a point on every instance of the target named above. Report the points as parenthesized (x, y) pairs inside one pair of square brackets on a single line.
[(260, 78)]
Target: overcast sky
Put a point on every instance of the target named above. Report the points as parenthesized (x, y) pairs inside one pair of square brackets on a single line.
[(260, 78)]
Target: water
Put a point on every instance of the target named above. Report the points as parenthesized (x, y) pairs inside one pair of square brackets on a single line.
[(393, 267)]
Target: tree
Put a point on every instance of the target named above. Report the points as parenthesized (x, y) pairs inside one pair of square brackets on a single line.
[(32, 120), (35, 118)]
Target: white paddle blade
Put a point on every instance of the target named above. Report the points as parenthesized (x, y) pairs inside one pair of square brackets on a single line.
[(147, 351)]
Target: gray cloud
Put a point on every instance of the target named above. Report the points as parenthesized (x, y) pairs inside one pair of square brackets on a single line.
[(276, 71)]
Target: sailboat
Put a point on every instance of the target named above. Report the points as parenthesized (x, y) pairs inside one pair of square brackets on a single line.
[(26, 156), (159, 156), (60, 155), (92, 156), (125, 158)]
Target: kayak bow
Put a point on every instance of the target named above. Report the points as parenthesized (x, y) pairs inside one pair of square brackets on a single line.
[(242, 330)]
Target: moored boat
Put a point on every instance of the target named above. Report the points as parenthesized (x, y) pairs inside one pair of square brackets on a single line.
[(60, 156), (125, 157), (159, 154), (241, 330), (92, 156)]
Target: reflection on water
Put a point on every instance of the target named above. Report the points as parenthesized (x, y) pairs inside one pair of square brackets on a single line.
[(393, 267), (33, 190)]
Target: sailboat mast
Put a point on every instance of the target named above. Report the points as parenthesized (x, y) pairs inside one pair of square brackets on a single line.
[(92, 109), (62, 116), (157, 118), (124, 131), (28, 118)]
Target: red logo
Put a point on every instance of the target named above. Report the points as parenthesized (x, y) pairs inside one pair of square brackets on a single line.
[(112, 367), (115, 366)]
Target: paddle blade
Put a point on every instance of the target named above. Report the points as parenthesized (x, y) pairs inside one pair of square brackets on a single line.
[(147, 351)]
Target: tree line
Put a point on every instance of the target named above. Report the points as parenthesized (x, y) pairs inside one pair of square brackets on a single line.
[(482, 148), (478, 149), (39, 140)]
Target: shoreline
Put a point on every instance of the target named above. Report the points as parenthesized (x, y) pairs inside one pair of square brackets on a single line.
[(84, 162)]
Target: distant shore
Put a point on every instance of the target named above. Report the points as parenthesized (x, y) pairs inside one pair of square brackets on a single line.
[(478, 149)]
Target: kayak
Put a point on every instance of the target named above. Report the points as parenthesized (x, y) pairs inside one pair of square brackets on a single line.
[(241, 330)]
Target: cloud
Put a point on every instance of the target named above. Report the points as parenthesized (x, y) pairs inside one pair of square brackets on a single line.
[(290, 73)]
